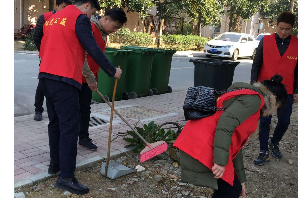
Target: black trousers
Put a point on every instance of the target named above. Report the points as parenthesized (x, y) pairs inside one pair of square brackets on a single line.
[(225, 190), (62, 102), (85, 96), (284, 117), (39, 97)]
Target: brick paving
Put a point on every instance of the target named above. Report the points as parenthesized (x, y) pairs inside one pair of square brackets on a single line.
[(31, 150)]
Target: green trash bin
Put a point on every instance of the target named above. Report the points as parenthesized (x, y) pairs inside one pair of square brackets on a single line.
[(215, 73), (160, 73), (139, 64), (105, 83)]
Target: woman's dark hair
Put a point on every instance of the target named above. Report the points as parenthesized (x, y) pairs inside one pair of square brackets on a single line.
[(286, 17), (275, 86), (117, 14)]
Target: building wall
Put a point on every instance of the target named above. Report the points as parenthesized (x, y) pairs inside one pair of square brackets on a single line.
[(28, 11), (249, 26), (134, 24)]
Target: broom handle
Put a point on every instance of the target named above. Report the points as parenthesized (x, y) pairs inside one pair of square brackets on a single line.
[(102, 97), (110, 130)]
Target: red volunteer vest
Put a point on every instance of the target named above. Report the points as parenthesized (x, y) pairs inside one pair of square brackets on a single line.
[(273, 63), (197, 136), (47, 15), (92, 64), (61, 52)]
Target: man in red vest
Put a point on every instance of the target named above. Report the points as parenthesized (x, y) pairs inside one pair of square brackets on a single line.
[(67, 37), (38, 33), (277, 54), (109, 23)]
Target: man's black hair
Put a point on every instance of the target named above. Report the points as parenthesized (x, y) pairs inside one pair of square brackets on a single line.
[(286, 17), (94, 3), (59, 2), (117, 14)]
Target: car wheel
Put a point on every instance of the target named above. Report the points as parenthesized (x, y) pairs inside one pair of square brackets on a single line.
[(155, 91), (132, 95), (235, 55)]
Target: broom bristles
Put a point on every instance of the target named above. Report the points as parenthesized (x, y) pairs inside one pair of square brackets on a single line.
[(156, 149)]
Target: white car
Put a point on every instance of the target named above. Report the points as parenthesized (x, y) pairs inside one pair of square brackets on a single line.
[(231, 45), (259, 38)]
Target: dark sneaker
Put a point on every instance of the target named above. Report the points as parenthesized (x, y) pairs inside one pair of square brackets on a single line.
[(53, 169), (262, 158), (87, 143), (274, 149), (38, 116), (72, 185)]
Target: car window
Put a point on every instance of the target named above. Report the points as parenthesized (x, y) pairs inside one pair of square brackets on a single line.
[(244, 38), (260, 37), (228, 37), (250, 39)]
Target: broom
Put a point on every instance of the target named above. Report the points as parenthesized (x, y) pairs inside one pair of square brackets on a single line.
[(152, 149), (110, 129)]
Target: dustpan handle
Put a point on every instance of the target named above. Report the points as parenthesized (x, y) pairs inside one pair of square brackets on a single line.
[(102, 97)]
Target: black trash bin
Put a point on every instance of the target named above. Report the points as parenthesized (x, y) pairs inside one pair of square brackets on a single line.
[(215, 73)]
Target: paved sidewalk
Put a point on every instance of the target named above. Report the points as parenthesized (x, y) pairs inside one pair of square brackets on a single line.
[(31, 150)]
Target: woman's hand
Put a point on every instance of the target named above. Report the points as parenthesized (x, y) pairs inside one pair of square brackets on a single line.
[(218, 171), (243, 190)]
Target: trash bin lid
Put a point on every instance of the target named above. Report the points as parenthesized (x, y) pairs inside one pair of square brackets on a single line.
[(111, 49)]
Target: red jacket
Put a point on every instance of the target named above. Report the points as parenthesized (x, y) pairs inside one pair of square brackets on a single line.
[(197, 136), (61, 52), (100, 42), (273, 63)]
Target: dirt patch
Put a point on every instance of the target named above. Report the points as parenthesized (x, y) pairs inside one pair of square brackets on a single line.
[(19, 45), (161, 177)]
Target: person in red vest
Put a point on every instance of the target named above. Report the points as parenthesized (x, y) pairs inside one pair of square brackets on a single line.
[(211, 147), (109, 23), (67, 37), (277, 54), (38, 33)]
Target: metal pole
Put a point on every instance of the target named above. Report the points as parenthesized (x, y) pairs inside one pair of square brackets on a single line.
[(159, 25)]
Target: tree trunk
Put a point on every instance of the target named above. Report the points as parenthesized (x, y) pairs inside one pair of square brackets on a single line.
[(182, 23), (292, 6), (51, 5), (231, 19), (199, 25)]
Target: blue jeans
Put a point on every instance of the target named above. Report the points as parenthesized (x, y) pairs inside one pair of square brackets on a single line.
[(283, 114)]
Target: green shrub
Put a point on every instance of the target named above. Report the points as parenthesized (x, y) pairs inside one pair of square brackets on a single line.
[(125, 37), (152, 133), (178, 42), (182, 42), (29, 42)]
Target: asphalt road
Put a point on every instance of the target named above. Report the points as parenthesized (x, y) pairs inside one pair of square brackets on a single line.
[(26, 70)]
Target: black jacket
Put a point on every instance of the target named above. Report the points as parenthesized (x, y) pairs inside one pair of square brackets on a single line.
[(38, 30), (282, 46)]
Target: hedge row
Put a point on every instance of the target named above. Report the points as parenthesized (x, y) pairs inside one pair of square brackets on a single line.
[(125, 37), (183, 42), (178, 42)]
